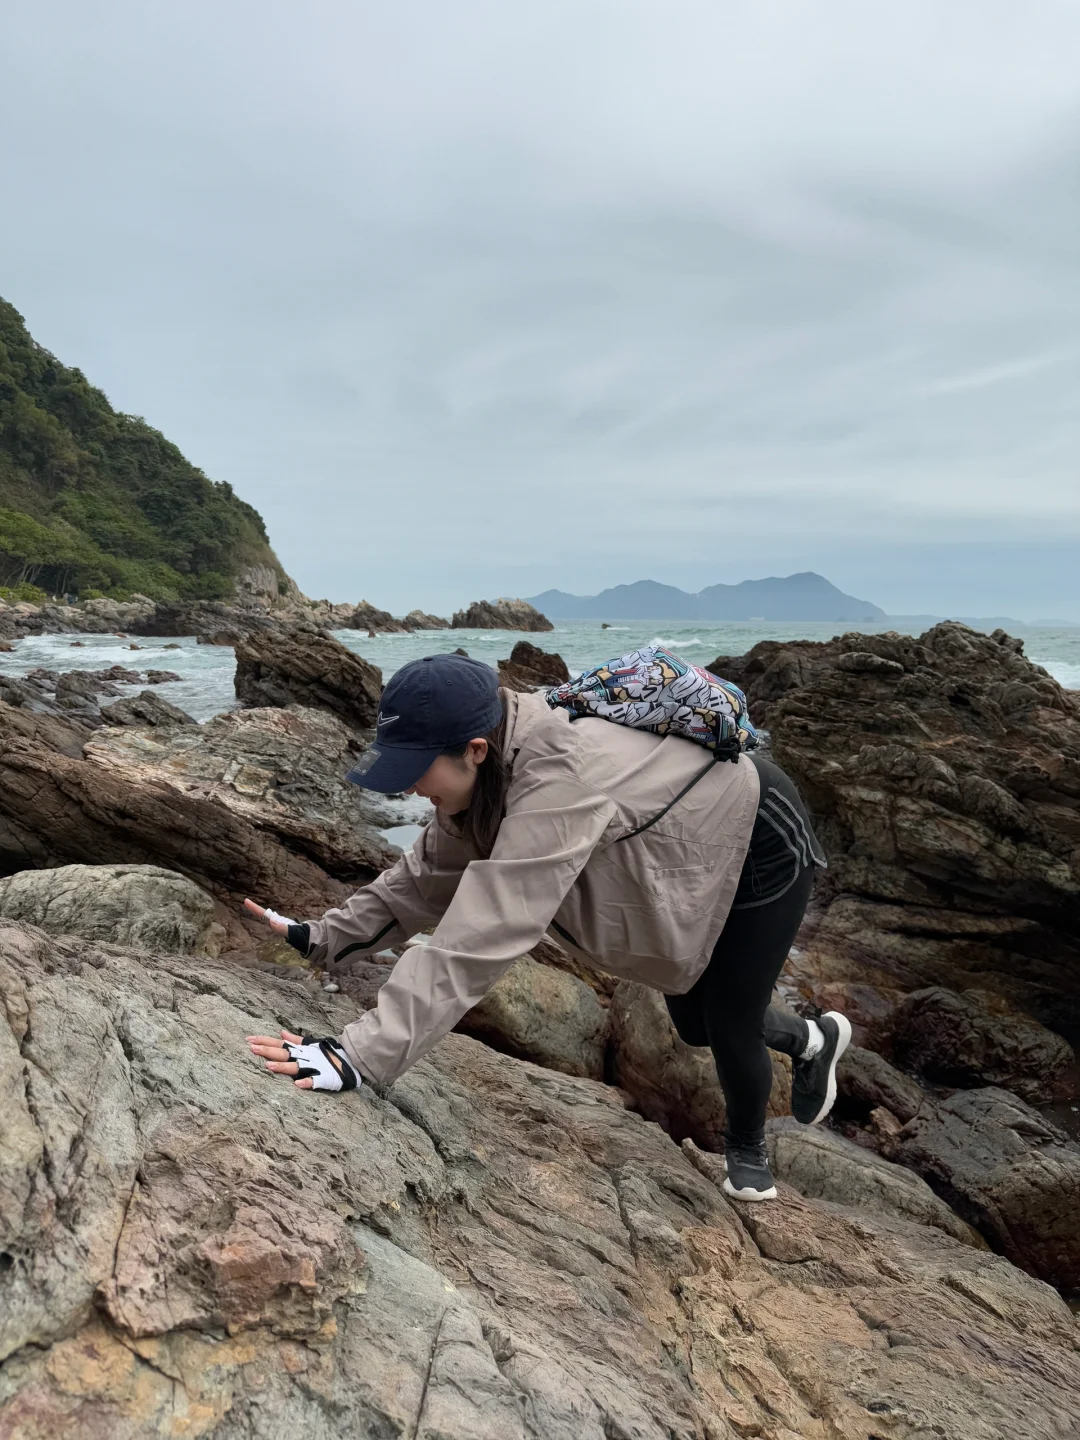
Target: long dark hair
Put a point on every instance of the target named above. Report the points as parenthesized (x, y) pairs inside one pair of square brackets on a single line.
[(479, 823)]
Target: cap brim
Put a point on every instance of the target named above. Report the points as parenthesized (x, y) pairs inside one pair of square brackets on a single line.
[(388, 768)]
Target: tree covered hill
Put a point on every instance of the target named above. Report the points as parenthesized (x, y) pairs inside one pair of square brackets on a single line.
[(95, 501)]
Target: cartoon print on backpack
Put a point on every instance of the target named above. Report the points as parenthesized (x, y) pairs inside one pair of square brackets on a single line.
[(651, 689)]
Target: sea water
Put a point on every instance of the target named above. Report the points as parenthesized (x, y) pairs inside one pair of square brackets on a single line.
[(206, 684)]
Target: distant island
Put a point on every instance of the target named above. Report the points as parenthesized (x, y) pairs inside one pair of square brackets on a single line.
[(805, 596)]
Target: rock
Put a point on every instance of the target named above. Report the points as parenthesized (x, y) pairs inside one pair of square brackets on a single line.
[(171, 646), (945, 788), (79, 686), (545, 1015), (163, 677), (530, 668), (500, 615), (979, 1039), (138, 905), (368, 617), (460, 651), (824, 1166), (192, 1246), (282, 770), (144, 709), (308, 668), (672, 1083), (866, 1082), (251, 803), (1008, 1171), (417, 620)]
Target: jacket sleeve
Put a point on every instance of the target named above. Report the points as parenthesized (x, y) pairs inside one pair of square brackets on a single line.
[(501, 910), (413, 894)]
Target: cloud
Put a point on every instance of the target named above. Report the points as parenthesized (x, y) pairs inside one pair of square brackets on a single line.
[(454, 293)]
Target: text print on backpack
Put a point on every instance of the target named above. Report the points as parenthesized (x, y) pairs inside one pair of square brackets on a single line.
[(651, 689)]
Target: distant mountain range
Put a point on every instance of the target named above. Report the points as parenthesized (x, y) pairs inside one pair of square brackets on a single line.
[(806, 596)]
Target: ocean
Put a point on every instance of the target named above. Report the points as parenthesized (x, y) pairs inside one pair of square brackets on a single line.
[(206, 686)]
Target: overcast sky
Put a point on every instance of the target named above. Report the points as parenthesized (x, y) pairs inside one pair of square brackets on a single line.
[(481, 298)]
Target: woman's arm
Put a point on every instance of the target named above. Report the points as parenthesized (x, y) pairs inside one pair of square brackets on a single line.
[(499, 911), (413, 894)]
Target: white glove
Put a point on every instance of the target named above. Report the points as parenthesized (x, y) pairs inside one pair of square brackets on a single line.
[(269, 915), (325, 1062)]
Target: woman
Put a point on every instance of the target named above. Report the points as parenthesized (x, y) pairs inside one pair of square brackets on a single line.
[(691, 879)]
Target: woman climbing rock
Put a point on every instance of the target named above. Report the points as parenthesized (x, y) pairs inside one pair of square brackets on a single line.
[(641, 860)]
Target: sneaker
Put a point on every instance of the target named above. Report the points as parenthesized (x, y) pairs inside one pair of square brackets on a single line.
[(748, 1173), (813, 1081)]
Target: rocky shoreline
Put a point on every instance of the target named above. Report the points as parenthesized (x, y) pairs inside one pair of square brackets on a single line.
[(526, 1236), (255, 611)]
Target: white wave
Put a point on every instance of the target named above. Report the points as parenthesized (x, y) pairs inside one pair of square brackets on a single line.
[(1064, 673), (675, 645)]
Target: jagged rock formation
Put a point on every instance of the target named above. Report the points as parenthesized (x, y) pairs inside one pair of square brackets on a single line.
[(308, 667), (250, 803), (944, 778), (971, 1040), (418, 620), (145, 709), (138, 905), (529, 668), (1006, 1169), (500, 615), (191, 1246)]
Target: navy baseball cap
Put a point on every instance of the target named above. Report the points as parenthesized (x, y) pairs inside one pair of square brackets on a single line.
[(428, 706)]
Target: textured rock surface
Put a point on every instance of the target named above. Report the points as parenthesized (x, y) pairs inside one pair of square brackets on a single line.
[(144, 709), (545, 1015), (944, 778), (1009, 1171), (501, 615), (192, 1247), (672, 1083), (824, 1166), (311, 668), (126, 904), (975, 1039), (529, 667), (251, 803), (866, 1081)]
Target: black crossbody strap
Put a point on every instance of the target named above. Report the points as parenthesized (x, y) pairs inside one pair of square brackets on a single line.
[(685, 790)]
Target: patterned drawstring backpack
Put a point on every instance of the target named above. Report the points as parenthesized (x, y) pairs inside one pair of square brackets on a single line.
[(651, 689)]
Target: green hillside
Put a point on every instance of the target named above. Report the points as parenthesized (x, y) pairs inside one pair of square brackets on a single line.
[(95, 501)]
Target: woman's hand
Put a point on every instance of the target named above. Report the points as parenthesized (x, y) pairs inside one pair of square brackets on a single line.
[(272, 1051), (278, 923), (323, 1064)]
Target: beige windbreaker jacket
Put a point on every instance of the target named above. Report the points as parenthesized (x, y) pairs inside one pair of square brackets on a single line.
[(649, 908)]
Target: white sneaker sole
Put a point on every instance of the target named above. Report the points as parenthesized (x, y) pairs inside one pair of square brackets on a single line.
[(749, 1194), (843, 1025)]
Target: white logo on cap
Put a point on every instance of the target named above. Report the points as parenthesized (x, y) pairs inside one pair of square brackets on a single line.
[(388, 719)]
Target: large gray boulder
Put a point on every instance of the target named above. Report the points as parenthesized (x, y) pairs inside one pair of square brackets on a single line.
[(139, 905), (488, 1251), (1006, 1169), (549, 1016), (824, 1166)]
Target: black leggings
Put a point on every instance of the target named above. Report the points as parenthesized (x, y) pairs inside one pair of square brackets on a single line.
[(729, 1007)]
